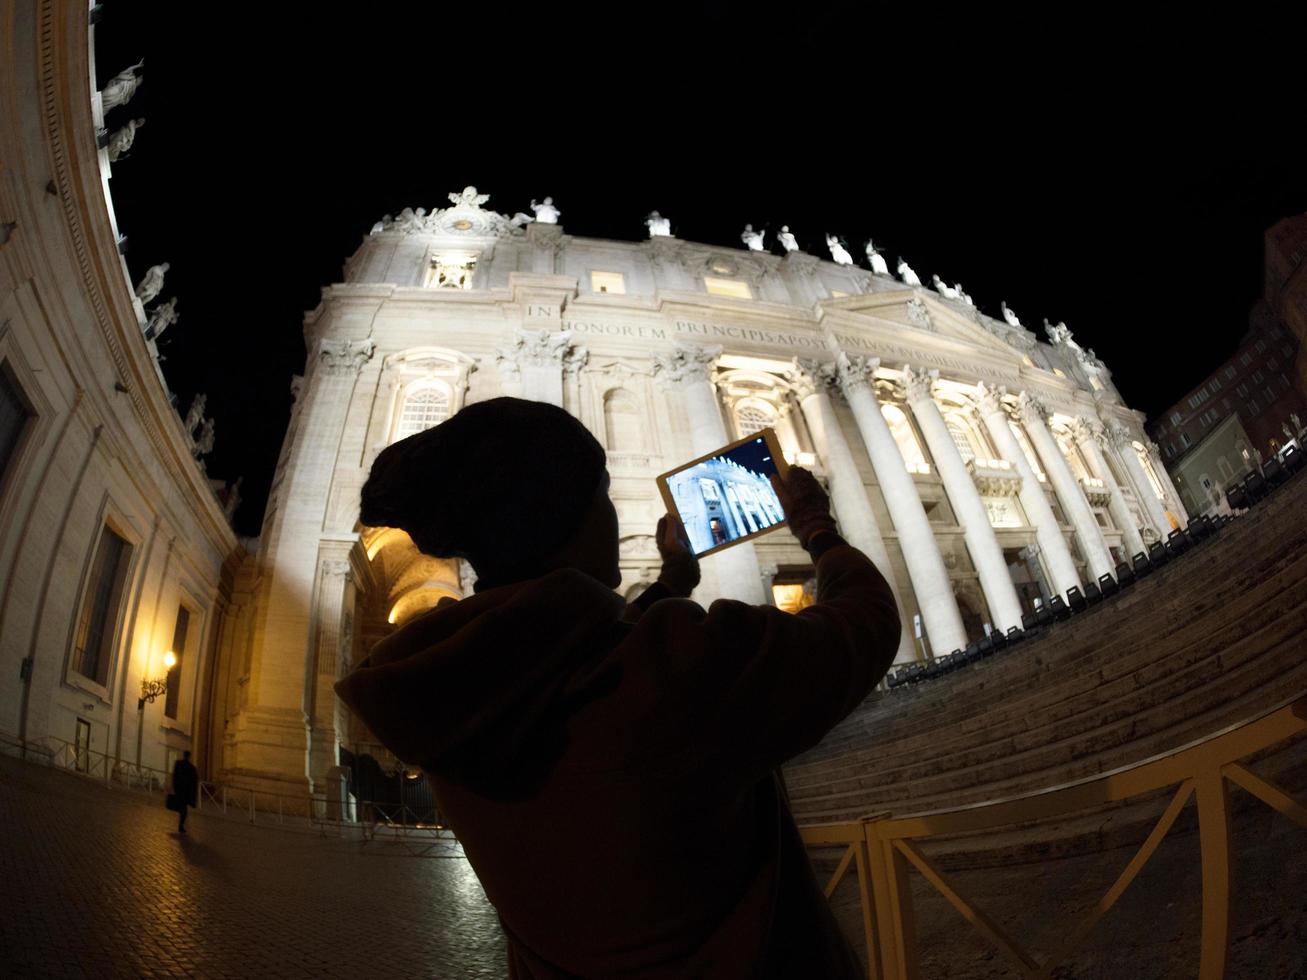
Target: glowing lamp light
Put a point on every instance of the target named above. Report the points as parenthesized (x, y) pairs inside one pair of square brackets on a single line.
[(169, 660)]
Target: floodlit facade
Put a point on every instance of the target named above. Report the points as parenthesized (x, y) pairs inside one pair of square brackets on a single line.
[(978, 466)]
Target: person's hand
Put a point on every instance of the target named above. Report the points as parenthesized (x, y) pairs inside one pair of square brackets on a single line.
[(680, 571), (807, 508)]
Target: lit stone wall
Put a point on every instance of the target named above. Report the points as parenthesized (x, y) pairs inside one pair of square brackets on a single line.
[(976, 464), (101, 446)]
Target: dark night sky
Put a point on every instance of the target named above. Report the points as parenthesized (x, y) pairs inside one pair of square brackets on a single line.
[(1114, 172)]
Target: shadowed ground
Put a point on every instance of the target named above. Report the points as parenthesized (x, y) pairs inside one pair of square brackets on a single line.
[(96, 883)]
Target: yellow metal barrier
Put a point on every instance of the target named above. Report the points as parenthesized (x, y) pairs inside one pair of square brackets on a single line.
[(881, 849)]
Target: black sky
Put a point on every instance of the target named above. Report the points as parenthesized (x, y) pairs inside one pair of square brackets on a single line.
[(1110, 170)]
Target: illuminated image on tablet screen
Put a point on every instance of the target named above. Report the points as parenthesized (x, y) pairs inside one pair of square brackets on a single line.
[(727, 497)]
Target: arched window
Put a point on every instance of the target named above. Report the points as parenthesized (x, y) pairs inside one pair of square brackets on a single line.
[(622, 428), (424, 406), (753, 415), (961, 437), (899, 426)]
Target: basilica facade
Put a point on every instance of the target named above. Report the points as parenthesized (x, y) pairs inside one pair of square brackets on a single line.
[(982, 469)]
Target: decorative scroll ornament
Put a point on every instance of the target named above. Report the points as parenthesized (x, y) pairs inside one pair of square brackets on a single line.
[(1030, 408), (990, 398), (686, 363), (854, 373), (345, 356), (919, 384)]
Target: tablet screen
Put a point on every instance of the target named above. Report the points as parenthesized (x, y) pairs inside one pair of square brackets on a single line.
[(727, 496)]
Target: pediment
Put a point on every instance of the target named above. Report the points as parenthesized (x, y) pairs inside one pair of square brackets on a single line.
[(918, 310)]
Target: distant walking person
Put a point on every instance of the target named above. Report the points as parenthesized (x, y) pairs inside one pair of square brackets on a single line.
[(185, 787)]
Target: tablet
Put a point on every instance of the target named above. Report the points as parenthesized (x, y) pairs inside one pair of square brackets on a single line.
[(726, 497)]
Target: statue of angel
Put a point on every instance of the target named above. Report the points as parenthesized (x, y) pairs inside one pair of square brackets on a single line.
[(659, 227), (838, 253), (907, 275), (195, 413), (1012, 319), (753, 239), (204, 442), (152, 283), (545, 212), (468, 198), (878, 264), (121, 87)]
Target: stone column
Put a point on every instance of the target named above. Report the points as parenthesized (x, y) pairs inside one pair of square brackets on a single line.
[(534, 365), (687, 372), (1057, 556), (329, 642), (982, 544), (853, 510), (1068, 489), (930, 581), (1119, 436), (1089, 436), (1164, 475)]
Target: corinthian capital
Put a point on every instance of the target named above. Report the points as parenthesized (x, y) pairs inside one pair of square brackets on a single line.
[(1085, 430), (1030, 408), (919, 383), (1118, 435), (990, 398), (345, 356), (540, 348), (853, 373), (806, 376), (686, 363)]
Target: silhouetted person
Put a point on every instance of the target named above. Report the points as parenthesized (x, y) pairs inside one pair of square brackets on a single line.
[(612, 771), (185, 787)]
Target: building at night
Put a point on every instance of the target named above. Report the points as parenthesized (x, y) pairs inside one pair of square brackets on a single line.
[(1285, 286), (979, 466)]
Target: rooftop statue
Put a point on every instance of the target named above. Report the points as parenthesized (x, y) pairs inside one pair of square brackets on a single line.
[(944, 289), (469, 198), (195, 413), (382, 225), (163, 317), (963, 295), (545, 212), (787, 240), (151, 283), (877, 260), (838, 253), (121, 141), (204, 441), (410, 220), (907, 275), (1012, 319), (1059, 334), (659, 227), (121, 87), (753, 239), (520, 220)]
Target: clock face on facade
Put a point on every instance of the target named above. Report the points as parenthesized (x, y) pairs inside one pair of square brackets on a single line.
[(462, 225)]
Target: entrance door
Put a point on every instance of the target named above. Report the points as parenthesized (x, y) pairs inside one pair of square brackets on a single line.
[(82, 746)]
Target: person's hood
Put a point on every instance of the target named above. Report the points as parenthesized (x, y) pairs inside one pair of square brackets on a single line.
[(479, 691)]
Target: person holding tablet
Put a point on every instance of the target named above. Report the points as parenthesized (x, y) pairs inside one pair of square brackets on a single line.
[(613, 772)]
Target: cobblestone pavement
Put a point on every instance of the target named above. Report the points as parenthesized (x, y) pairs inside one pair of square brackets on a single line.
[(97, 883)]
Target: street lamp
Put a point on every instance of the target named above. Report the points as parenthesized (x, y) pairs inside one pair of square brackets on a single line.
[(152, 689)]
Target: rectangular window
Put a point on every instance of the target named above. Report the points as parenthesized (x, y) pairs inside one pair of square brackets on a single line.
[(1261, 347), (82, 746), (1175, 418), (1229, 373), (1245, 358), (14, 415), (727, 287), (98, 622), (1257, 377), (607, 282), (1184, 440), (174, 682)]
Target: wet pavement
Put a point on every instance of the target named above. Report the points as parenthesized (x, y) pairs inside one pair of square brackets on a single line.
[(96, 883)]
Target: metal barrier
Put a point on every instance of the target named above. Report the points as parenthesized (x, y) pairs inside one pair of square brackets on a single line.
[(882, 850)]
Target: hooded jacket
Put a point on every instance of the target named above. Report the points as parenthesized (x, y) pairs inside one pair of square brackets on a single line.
[(615, 785)]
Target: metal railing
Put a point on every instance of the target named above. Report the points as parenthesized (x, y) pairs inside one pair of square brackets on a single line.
[(882, 850)]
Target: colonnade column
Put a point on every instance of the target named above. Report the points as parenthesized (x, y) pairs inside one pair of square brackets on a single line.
[(1089, 435), (1057, 556), (930, 581), (687, 370), (1066, 487), (329, 641), (982, 544), (853, 509), (1119, 436), (1168, 485)]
